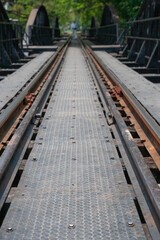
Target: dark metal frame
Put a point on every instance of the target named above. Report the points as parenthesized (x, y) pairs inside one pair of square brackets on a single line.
[(10, 40), (40, 35), (108, 34), (143, 42)]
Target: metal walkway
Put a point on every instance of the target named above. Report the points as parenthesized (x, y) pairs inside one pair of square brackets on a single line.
[(73, 185), (15, 81)]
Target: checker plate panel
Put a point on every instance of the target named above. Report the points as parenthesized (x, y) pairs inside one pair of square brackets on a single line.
[(77, 178)]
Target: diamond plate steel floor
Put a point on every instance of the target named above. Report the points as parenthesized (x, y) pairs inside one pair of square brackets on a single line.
[(15, 81), (77, 178)]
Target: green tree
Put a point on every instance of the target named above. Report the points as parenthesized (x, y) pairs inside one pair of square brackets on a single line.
[(81, 10)]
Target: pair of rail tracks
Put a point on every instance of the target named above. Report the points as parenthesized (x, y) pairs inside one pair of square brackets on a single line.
[(137, 139), (19, 117), (136, 134)]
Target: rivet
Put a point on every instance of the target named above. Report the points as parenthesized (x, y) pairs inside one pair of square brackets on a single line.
[(9, 229), (34, 159), (71, 226), (130, 224)]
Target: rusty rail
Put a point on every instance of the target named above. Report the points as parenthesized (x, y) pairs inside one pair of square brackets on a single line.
[(6, 157), (149, 187)]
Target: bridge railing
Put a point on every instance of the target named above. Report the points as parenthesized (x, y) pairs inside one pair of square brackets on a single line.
[(142, 42), (108, 34)]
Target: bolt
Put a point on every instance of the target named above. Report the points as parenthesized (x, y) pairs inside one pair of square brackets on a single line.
[(38, 116), (9, 229), (71, 226), (34, 159), (130, 224)]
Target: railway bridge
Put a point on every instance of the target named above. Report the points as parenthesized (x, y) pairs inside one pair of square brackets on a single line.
[(80, 128)]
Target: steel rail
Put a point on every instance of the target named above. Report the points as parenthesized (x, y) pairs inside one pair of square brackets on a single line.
[(147, 118), (145, 178), (15, 103), (6, 157)]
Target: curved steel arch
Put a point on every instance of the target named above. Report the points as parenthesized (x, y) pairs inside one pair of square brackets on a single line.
[(106, 16), (108, 28), (94, 22), (38, 17), (109, 15), (94, 27), (38, 30)]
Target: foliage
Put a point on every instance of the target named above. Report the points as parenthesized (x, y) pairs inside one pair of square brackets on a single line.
[(127, 9), (68, 10)]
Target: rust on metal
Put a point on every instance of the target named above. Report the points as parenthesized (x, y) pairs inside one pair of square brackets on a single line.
[(115, 91)]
